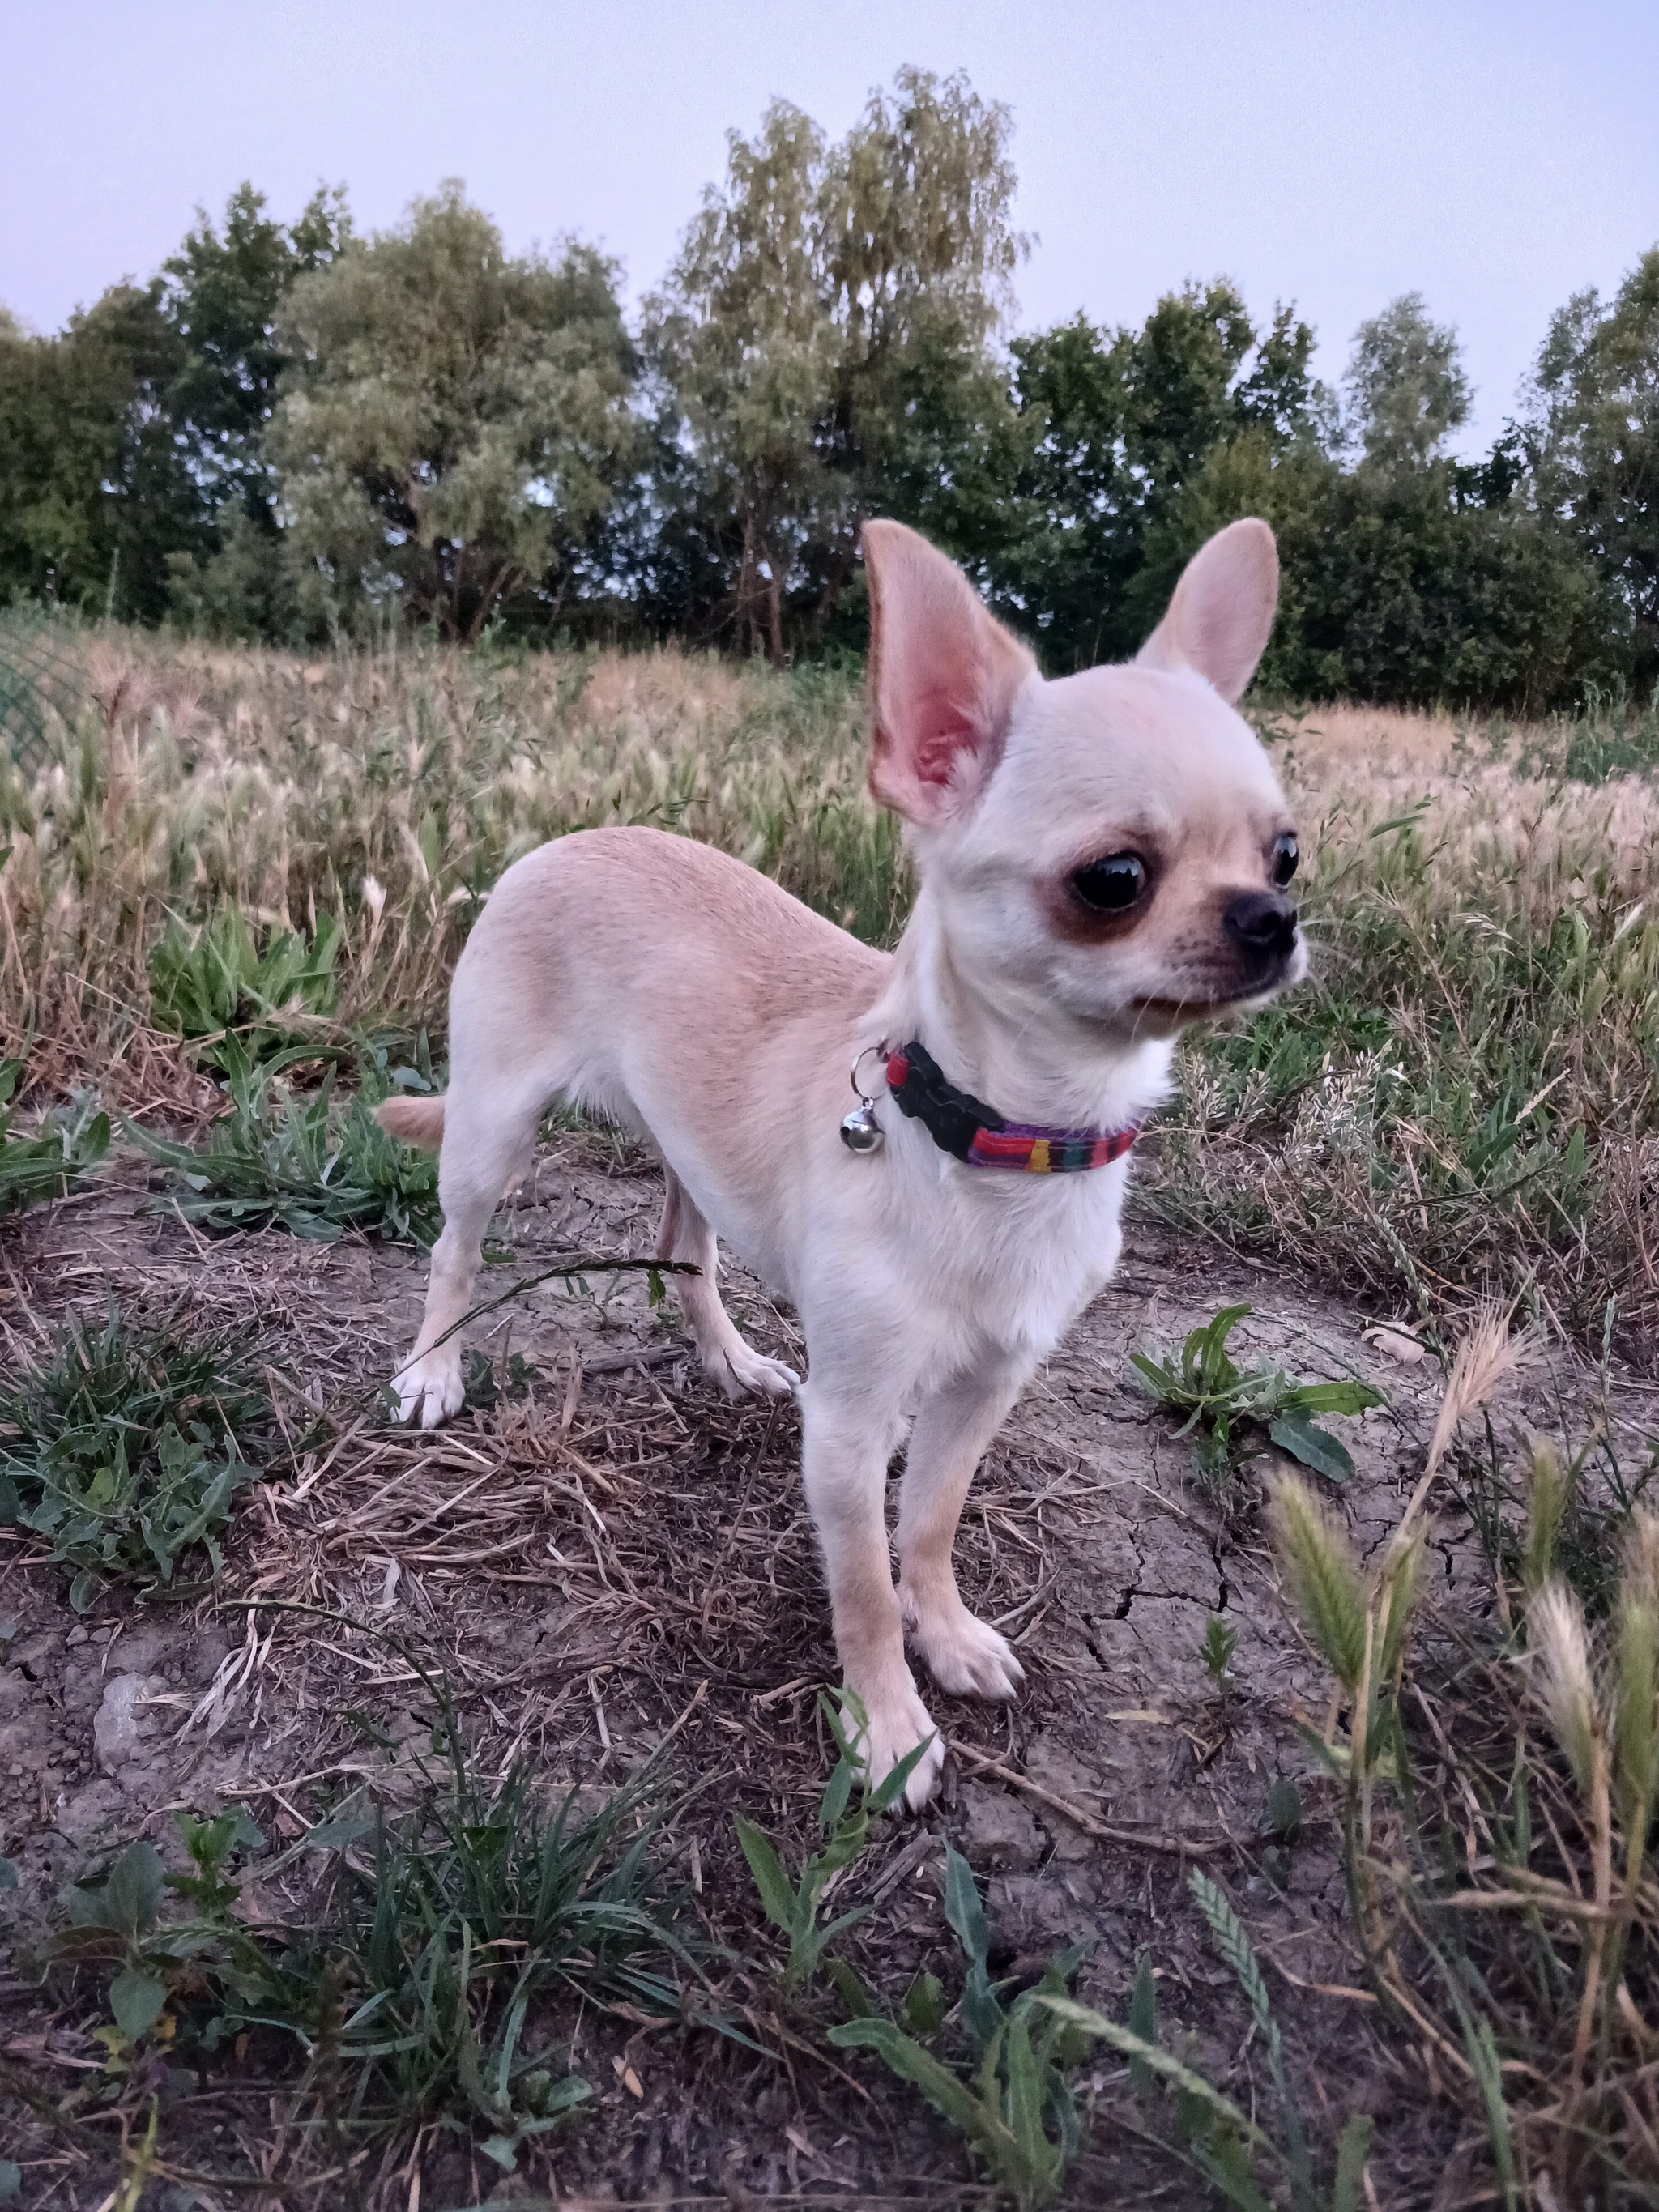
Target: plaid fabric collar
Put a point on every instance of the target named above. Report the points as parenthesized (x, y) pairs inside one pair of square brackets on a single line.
[(977, 1133)]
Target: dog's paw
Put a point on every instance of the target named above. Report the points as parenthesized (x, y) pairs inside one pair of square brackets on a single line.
[(895, 1723), (963, 1655), (741, 1371), (429, 1389)]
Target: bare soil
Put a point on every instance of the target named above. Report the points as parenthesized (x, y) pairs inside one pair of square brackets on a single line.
[(619, 1565)]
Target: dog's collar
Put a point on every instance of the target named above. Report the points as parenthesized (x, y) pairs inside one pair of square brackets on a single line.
[(977, 1134)]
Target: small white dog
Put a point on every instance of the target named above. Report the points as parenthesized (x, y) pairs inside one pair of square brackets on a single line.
[(1103, 859)]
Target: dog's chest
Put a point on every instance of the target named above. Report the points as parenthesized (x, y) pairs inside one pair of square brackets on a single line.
[(1013, 1260)]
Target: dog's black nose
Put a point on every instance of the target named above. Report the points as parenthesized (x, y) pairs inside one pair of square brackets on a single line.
[(1262, 924)]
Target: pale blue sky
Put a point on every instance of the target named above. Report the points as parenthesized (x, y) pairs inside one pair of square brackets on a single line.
[(1495, 157)]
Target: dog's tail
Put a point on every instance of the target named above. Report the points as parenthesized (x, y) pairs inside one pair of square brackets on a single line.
[(416, 1120)]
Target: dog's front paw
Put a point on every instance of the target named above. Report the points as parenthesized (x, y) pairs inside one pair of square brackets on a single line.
[(895, 1721), (741, 1371), (429, 1389), (964, 1656)]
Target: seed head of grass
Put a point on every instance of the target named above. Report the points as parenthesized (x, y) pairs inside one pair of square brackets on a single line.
[(1635, 1721), (1399, 1581), (1327, 1591), (1487, 1355), (1641, 1562), (1549, 1486), (1562, 1679)]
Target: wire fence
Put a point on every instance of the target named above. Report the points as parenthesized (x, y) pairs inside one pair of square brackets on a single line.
[(41, 679)]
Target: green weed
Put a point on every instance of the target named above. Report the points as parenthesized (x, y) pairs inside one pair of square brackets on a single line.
[(310, 1163), (792, 1905), (69, 1142), (423, 1995), (1012, 2100), (1219, 1397), (1203, 2128), (1220, 1642), (209, 983), (123, 1451)]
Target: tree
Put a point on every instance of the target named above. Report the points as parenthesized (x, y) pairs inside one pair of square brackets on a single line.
[(1591, 429), (125, 439), (1405, 387), (456, 423), (222, 293), (824, 329), (741, 336), (94, 493), (1116, 426)]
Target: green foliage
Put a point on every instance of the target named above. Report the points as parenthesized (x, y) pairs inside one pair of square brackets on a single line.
[(1592, 434), (124, 1450), (205, 982), (448, 1930), (69, 1141), (1202, 2127), (125, 438), (1116, 429), (1405, 385), (792, 1905), (309, 1163), (223, 293), (1220, 1642), (293, 431), (1203, 1382), (1011, 2099), (1485, 1946), (97, 495), (457, 425), (823, 335)]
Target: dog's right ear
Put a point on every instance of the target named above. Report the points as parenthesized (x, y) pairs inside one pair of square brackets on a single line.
[(943, 676)]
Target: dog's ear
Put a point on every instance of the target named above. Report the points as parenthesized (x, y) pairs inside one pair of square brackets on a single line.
[(943, 676), (1222, 609)]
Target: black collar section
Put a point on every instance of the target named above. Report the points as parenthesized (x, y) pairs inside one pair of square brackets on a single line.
[(953, 1118)]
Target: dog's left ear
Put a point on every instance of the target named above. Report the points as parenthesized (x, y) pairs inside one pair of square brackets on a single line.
[(1223, 609), (943, 676)]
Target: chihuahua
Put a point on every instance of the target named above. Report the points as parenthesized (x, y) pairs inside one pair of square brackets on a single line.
[(1102, 860)]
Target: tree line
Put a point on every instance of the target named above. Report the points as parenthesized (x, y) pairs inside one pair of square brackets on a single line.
[(293, 431)]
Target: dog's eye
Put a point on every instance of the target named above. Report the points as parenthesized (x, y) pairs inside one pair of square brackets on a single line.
[(1286, 853), (1111, 885)]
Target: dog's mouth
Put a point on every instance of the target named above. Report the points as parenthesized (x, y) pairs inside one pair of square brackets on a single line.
[(1198, 1010), (1182, 1012)]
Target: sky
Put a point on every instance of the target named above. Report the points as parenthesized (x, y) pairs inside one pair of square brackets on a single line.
[(1497, 158)]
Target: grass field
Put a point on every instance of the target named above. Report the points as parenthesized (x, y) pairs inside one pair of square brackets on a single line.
[(232, 889), (1463, 1101)]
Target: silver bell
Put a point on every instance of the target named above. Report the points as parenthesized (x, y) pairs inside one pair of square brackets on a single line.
[(860, 1132)]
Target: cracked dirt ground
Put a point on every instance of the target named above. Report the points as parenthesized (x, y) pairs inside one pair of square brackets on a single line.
[(622, 1561)]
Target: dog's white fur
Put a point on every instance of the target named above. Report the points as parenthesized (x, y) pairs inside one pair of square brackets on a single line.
[(664, 985)]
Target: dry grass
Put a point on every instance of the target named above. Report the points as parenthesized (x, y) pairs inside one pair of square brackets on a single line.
[(1463, 1102)]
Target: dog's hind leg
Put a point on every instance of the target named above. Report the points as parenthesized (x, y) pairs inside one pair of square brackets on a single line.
[(950, 1432), (487, 1143), (734, 1364)]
